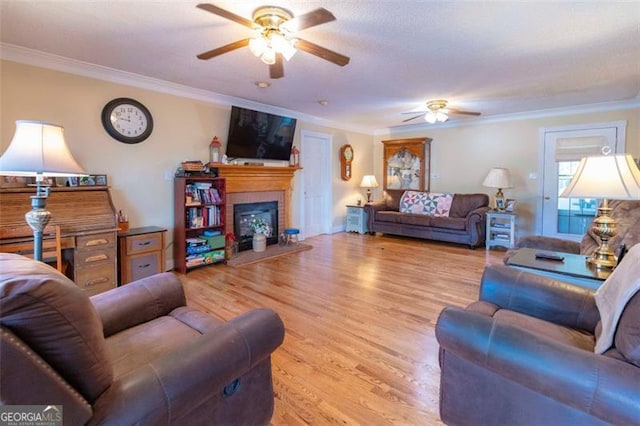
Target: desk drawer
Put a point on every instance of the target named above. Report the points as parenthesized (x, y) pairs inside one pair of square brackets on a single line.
[(91, 258), (143, 266), (97, 279), (96, 241), (144, 243)]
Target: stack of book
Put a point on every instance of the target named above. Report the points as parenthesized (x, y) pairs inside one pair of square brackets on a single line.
[(201, 193), (196, 248)]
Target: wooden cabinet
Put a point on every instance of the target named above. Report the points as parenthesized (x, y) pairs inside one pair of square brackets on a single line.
[(199, 206), (501, 229), (140, 253), (406, 164)]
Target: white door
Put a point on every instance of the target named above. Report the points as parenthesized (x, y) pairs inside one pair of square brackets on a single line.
[(562, 150), (315, 160)]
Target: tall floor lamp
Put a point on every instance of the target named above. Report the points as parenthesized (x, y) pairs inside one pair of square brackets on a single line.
[(614, 177), (38, 149)]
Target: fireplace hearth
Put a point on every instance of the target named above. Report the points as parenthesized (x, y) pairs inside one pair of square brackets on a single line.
[(245, 213)]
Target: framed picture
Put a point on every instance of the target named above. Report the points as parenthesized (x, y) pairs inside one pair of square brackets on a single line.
[(87, 180), (13, 181), (510, 205), (62, 181), (101, 180), (73, 181), (407, 164)]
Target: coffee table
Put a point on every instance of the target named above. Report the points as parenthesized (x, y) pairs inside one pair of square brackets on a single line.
[(573, 268)]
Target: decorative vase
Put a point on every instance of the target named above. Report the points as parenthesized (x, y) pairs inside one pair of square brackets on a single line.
[(259, 242)]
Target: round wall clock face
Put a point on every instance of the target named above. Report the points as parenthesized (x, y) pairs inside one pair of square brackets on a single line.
[(127, 120)]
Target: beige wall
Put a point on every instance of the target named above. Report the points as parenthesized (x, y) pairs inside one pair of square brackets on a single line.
[(140, 175), (462, 156)]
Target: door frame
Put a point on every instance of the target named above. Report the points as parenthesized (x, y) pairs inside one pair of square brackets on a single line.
[(326, 164), (621, 138)]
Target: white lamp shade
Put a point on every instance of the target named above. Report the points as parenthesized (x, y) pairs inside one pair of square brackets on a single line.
[(39, 148), (369, 181), (498, 177), (615, 177)]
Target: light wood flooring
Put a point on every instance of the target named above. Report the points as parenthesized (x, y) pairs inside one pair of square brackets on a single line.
[(359, 312)]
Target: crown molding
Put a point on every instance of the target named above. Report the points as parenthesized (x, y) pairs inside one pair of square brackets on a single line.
[(527, 115), (41, 59)]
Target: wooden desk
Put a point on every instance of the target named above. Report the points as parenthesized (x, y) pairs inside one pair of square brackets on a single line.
[(87, 221), (574, 268)]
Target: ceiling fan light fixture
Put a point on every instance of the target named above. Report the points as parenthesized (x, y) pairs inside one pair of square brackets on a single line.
[(430, 117), (258, 46), (441, 116), (269, 56)]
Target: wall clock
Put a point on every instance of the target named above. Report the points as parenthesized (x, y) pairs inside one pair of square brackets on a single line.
[(127, 120), (346, 157)]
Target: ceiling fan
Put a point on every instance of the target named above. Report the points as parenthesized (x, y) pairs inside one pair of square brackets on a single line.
[(274, 40), (437, 111)]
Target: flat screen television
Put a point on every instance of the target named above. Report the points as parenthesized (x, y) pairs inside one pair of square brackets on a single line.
[(260, 135)]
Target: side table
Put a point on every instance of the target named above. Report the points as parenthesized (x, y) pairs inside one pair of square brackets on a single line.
[(501, 229), (140, 253), (573, 268), (356, 219)]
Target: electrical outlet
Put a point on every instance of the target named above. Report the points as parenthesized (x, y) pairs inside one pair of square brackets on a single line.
[(168, 175), (435, 176), (533, 176)]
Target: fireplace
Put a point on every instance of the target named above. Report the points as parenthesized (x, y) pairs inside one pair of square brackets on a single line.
[(245, 213)]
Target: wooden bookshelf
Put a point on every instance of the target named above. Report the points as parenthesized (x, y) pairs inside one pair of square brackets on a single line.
[(199, 206)]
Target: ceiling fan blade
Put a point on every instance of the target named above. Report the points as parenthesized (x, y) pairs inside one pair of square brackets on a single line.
[(412, 118), (277, 70), (414, 112), (322, 52), (457, 111), (230, 16), (224, 49), (311, 19)]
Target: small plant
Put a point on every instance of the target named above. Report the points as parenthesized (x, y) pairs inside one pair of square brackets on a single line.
[(260, 226)]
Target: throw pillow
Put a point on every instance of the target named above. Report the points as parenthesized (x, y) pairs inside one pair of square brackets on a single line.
[(627, 339), (612, 297), (429, 203)]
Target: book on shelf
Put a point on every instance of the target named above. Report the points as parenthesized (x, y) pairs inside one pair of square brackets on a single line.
[(201, 193), (203, 216)]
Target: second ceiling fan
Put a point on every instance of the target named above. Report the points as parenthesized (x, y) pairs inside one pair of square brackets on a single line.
[(275, 41), (437, 111)]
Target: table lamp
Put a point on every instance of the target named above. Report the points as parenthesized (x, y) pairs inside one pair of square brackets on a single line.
[(498, 177), (614, 177), (38, 149), (368, 181)]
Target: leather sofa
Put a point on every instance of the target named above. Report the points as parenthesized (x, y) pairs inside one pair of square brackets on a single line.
[(524, 355), (466, 223), (133, 355)]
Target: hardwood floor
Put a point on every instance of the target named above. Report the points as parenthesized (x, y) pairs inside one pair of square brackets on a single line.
[(359, 312)]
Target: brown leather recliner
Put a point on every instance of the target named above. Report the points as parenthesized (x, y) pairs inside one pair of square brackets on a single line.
[(133, 355), (525, 354)]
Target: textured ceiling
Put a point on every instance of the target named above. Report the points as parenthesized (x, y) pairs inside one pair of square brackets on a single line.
[(492, 57)]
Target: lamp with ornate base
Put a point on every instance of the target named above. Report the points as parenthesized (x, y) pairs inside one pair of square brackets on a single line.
[(614, 177), (38, 149), (498, 178), (369, 181)]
